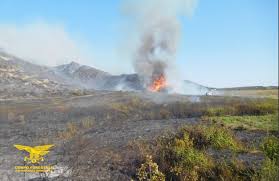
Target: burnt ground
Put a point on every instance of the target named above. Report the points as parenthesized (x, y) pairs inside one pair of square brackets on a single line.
[(92, 140)]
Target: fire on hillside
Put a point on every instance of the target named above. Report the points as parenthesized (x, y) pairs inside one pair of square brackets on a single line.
[(158, 84)]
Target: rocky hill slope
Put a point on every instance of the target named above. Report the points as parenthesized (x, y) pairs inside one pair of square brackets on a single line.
[(19, 78), (22, 78)]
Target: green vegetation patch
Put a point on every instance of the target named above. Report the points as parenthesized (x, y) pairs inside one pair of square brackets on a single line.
[(269, 171), (149, 171), (180, 160), (270, 166), (266, 122), (221, 138), (218, 137), (185, 156), (270, 147)]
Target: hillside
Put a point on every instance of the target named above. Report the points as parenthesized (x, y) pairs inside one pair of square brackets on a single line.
[(21, 78)]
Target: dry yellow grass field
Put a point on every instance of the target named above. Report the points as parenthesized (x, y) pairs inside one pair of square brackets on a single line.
[(268, 93)]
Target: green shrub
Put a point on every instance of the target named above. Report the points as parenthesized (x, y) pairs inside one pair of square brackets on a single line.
[(221, 138), (184, 156), (181, 161), (269, 171), (216, 136), (270, 147), (149, 171), (188, 162)]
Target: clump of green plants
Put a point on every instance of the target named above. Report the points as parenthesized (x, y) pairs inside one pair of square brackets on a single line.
[(216, 136), (270, 147), (149, 171), (270, 167), (221, 138), (180, 160), (269, 171), (183, 156), (189, 162), (187, 157)]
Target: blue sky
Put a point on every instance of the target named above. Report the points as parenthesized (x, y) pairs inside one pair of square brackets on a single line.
[(224, 43)]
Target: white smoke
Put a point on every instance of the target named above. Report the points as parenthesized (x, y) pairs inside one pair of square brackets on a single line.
[(159, 34), (40, 43)]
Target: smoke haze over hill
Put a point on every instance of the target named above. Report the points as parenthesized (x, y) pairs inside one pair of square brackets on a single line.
[(41, 43)]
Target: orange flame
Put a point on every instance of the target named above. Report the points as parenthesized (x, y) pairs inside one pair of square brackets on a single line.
[(158, 84)]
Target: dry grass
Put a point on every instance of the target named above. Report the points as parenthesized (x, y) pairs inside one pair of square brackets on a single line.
[(269, 93), (73, 129)]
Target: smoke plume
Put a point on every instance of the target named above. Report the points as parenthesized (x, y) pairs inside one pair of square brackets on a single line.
[(159, 34), (40, 43)]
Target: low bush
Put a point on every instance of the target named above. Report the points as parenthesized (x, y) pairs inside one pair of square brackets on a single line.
[(221, 138), (180, 160), (149, 171), (269, 171), (184, 156), (270, 147), (216, 136)]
